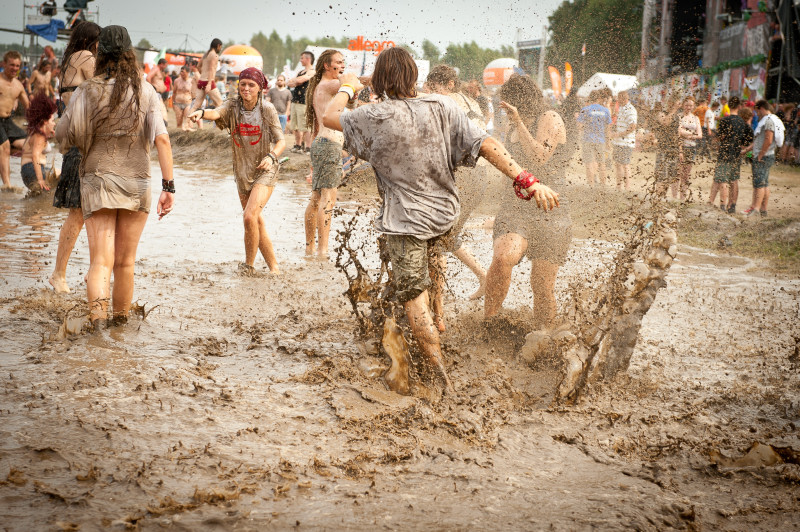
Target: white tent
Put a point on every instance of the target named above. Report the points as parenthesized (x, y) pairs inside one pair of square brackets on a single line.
[(615, 82)]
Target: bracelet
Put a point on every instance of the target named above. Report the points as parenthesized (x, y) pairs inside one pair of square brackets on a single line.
[(347, 89), (202, 113), (168, 186), (522, 182), (273, 157)]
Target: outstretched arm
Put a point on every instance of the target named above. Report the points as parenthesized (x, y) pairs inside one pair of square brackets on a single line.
[(498, 156)]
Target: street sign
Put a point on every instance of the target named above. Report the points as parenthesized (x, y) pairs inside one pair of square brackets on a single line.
[(533, 43)]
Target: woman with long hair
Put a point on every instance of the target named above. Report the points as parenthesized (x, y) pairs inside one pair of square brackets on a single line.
[(77, 66), (257, 143), (538, 140), (470, 182), (114, 119), (41, 127)]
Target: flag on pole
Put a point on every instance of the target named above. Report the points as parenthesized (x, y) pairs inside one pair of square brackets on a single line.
[(555, 81), (567, 78), (583, 49), (161, 55)]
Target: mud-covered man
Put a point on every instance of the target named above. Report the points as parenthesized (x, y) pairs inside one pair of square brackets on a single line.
[(11, 92), (414, 145)]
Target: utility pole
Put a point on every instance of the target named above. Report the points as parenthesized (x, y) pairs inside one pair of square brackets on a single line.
[(542, 53)]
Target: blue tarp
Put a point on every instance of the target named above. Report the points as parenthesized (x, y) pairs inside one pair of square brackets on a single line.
[(47, 31)]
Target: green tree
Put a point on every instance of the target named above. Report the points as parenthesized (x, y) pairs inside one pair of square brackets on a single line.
[(470, 59), (430, 51), (611, 30), (144, 43)]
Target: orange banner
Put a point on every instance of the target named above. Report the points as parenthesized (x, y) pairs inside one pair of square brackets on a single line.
[(555, 81), (567, 78)]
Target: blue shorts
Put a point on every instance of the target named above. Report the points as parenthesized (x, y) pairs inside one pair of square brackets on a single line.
[(761, 171)]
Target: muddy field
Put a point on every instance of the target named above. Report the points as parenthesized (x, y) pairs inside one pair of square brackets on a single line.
[(247, 403)]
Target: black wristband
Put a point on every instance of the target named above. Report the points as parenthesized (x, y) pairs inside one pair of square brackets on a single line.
[(168, 186), (273, 157)]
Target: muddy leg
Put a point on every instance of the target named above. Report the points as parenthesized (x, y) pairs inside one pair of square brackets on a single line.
[(311, 221), (437, 266), (508, 250), (426, 335), (100, 229), (543, 282), (66, 242), (5, 163), (129, 229), (464, 254), (255, 231), (324, 213)]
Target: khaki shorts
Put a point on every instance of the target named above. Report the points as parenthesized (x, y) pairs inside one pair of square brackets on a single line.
[(409, 258), (267, 178), (299, 117), (326, 164)]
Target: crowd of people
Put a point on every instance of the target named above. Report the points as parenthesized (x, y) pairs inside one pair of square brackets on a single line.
[(430, 150)]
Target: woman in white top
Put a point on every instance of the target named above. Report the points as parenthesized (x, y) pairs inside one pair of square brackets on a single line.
[(689, 131)]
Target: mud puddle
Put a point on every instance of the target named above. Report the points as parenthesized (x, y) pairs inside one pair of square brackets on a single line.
[(245, 403)]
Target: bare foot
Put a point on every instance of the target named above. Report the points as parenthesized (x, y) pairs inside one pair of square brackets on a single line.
[(59, 284), (440, 324), (276, 271), (310, 251), (322, 253)]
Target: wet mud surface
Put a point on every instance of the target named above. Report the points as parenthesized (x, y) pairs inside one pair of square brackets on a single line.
[(247, 403)]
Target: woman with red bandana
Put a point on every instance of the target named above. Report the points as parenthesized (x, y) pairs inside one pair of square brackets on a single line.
[(257, 143)]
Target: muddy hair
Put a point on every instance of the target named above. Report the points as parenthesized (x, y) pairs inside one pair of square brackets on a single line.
[(41, 108), (442, 75), (523, 93), (83, 37), (125, 71), (395, 74), (325, 59)]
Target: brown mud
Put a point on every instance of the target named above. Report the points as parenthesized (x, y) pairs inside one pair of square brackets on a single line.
[(244, 403)]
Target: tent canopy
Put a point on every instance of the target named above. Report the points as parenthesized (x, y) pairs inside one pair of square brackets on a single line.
[(601, 80)]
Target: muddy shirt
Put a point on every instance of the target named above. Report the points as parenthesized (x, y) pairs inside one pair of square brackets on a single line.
[(280, 98), (414, 146), (107, 140), (253, 134)]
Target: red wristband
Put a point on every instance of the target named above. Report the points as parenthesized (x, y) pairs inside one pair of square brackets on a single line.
[(524, 181)]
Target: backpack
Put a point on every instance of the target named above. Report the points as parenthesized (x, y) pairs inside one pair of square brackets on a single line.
[(780, 131)]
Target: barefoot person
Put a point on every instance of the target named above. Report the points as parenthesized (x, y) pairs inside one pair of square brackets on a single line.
[(414, 145), (470, 182), (182, 97), (537, 139), (113, 119), (78, 66), (257, 142), (41, 127), (326, 152), (11, 92), (206, 86), (689, 131)]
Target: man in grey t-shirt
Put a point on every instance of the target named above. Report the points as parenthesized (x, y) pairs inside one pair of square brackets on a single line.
[(414, 145), (281, 98), (763, 157)]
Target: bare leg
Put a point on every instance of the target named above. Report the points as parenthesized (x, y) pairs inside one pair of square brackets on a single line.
[(179, 113), (66, 242), (734, 193), (298, 137), (601, 170), (543, 281), (426, 335), (324, 213), (508, 250), (307, 139), (5, 163), (465, 255), (437, 266), (311, 219), (255, 230), (723, 194), (129, 227), (100, 228), (620, 175), (716, 187), (626, 175), (591, 169), (686, 171)]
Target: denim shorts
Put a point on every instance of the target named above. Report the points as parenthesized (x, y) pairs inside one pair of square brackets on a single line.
[(761, 171), (29, 175)]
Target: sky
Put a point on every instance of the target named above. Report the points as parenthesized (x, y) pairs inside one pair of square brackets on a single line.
[(166, 23)]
